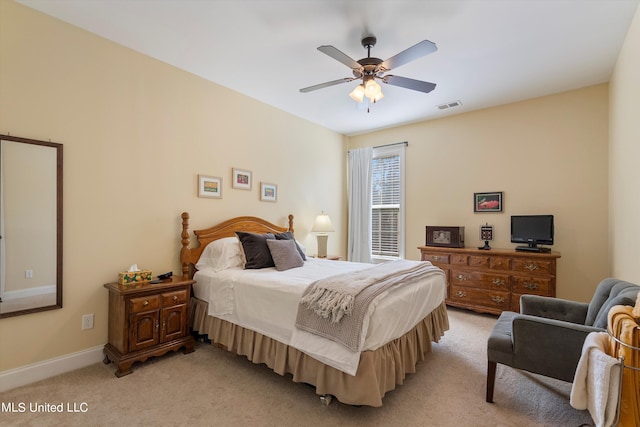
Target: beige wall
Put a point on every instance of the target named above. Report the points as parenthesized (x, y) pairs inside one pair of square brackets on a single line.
[(624, 153), (548, 155), (136, 134)]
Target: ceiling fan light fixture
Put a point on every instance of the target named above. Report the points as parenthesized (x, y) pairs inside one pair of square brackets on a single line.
[(357, 94), (372, 90), (378, 97)]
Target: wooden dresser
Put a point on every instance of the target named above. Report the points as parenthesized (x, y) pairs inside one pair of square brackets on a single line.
[(147, 320), (491, 281)]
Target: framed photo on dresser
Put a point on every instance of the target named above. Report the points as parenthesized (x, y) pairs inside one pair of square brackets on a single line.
[(450, 237)]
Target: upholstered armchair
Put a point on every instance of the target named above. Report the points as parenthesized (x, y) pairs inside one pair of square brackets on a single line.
[(546, 337)]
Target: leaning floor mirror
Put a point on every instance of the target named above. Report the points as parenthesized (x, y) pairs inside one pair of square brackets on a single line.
[(30, 226)]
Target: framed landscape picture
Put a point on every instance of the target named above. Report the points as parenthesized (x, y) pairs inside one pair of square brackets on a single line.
[(209, 186), (487, 202), (268, 192), (241, 179)]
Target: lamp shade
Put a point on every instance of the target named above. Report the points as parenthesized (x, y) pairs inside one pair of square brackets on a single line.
[(358, 93), (322, 224)]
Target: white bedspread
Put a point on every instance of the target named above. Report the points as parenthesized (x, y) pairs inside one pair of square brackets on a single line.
[(266, 301)]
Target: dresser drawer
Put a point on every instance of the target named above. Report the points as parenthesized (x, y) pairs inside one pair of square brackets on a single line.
[(479, 261), (525, 265), (531, 285), (140, 304), (459, 259), (499, 263), (173, 298), (443, 258), (481, 297), (479, 279)]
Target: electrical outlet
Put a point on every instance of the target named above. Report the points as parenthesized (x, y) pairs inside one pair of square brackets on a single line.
[(28, 274), (87, 321)]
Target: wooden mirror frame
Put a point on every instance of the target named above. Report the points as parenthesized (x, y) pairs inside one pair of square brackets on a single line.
[(59, 158)]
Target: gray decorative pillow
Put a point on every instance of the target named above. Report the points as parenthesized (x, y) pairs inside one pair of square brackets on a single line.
[(256, 251), (288, 236), (285, 254)]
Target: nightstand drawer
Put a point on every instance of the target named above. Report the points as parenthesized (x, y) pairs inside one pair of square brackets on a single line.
[(140, 304), (172, 298)]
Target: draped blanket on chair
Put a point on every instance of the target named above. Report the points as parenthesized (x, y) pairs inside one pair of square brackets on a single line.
[(623, 325)]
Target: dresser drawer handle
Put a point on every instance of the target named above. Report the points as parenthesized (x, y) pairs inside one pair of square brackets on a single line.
[(461, 278), (531, 286), (435, 258), (497, 299), (175, 298), (145, 303), (531, 267), (498, 282), (461, 294)]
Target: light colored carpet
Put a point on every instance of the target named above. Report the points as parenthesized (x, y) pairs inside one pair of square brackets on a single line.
[(212, 387)]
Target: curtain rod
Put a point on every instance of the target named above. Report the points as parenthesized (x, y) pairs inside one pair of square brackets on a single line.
[(406, 143)]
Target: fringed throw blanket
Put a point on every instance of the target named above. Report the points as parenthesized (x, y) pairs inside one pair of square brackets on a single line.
[(335, 307)]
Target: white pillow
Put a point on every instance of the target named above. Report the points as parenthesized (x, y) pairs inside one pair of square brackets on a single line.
[(221, 254)]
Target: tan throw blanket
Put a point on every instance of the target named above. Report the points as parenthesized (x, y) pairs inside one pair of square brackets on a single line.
[(625, 328), (334, 307)]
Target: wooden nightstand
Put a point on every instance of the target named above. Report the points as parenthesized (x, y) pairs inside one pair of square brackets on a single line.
[(147, 320)]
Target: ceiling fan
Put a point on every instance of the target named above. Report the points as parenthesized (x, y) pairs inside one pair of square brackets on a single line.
[(369, 69)]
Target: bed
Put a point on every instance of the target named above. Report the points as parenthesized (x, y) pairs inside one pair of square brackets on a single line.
[(252, 312)]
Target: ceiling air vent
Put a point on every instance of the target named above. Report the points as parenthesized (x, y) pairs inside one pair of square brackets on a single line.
[(449, 105)]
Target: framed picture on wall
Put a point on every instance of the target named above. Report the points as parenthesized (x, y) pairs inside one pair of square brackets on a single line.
[(209, 186), (241, 179), (487, 202), (268, 192)]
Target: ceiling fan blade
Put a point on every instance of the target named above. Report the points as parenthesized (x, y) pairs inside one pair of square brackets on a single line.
[(340, 57), (407, 83), (327, 84), (416, 51)]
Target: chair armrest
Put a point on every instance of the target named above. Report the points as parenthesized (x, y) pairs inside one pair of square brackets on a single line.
[(548, 346), (554, 308)]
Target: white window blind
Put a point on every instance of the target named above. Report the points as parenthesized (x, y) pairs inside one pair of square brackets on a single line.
[(386, 202)]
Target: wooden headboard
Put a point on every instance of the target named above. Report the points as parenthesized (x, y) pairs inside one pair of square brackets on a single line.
[(189, 256)]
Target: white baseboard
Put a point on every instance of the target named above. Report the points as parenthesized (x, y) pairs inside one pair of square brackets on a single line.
[(49, 368)]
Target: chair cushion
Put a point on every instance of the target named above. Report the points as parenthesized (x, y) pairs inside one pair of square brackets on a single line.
[(610, 292), (500, 343)]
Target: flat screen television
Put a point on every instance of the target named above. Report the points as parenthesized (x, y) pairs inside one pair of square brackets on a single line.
[(533, 230)]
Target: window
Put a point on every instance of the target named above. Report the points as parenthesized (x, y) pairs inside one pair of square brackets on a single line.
[(387, 202)]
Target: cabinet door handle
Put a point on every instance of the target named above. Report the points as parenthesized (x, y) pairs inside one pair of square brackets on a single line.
[(497, 299), (461, 294), (531, 267), (530, 285), (498, 282), (461, 278), (175, 298), (145, 303)]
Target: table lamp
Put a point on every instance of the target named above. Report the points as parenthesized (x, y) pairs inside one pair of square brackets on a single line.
[(322, 226)]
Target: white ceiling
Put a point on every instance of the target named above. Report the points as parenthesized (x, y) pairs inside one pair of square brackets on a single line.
[(490, 52)]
